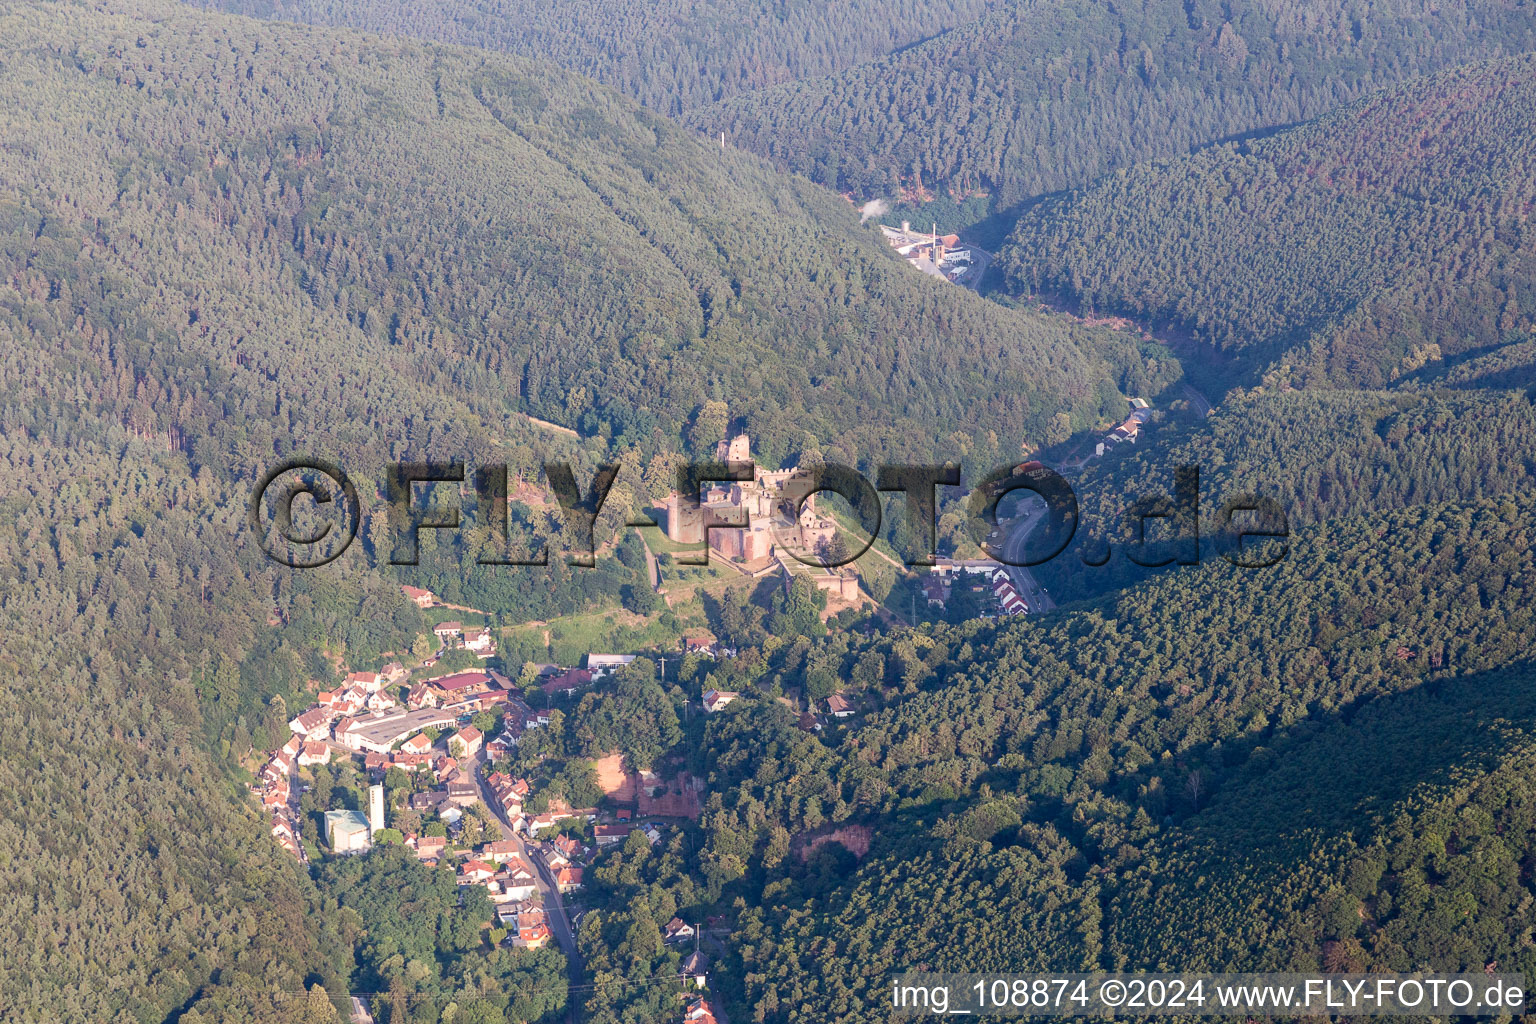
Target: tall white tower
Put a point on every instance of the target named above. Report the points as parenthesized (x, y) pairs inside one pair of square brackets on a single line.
[(375, 808)]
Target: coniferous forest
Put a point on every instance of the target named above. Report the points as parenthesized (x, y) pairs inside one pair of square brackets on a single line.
[(508, 234)]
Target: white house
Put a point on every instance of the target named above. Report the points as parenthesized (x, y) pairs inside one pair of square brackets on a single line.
[(715, 700), (606, 664)]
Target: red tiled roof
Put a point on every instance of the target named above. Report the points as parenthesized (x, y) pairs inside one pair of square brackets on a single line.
[(462, 681)]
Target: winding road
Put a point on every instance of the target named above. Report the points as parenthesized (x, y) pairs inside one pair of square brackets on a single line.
[(980, 260), (1018, 531), (554, 904)]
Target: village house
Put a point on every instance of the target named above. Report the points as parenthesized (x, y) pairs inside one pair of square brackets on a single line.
[(422, 598), (537, 823), (431, 802), (281, 764), (315, 753), (517, 879), (480, 641), (568, 878), (418, 744), (555, 857), (530, 930), (431, 847), (275, 796), (463, 794), (451, 630), (314, 724), (475, 871), (566, 683), (601, 665), (696, 1011), (694, 970), (716, 700), (677, 930), (500, 851), (518, 885), (567, 847), (287, 838), (369, 681), (421, 696), (466, 742), (607, 835), (838, 706)]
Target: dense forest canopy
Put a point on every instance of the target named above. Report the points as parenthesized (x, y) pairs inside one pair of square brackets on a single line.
[(223, 242), (528, 239), (1073, 781), (1353, 250), (671, 56), (1034, 97), (1321, 454)]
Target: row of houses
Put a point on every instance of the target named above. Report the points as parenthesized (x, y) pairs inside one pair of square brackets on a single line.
[(503, 870), (946, 574), (1007, 596), (274, 785)]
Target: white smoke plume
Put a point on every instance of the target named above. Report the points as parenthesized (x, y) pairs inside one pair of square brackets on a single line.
[(874, 208)]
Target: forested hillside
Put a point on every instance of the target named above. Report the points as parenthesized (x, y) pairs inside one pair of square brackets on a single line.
[(672, 56), (221, 243), (541, 245), (1321, 454), (1168, 779), (1354, 250), (1033, 97), (224, 242)]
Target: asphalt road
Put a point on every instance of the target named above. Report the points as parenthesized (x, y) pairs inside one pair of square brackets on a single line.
[(554, 904), (1201, 404), (980, 260), (1018, 531)]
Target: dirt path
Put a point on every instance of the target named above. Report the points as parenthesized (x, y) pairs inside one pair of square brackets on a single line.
[(557, 428), (460, 608)]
